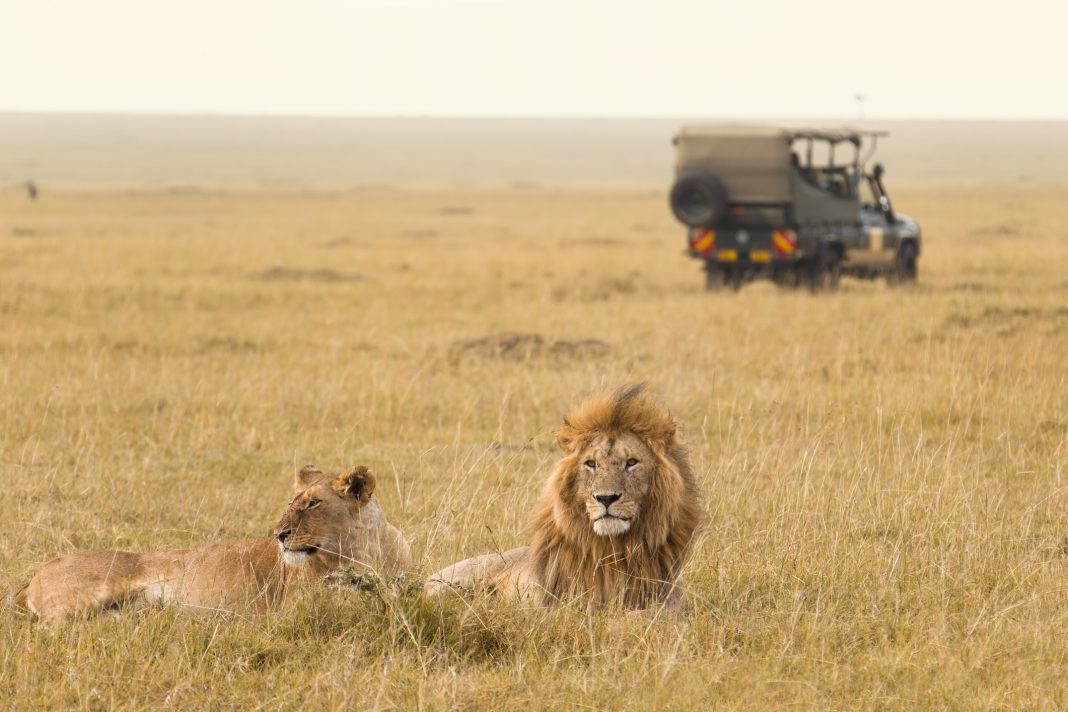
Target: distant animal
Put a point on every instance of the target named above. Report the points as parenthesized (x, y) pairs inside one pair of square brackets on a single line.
[(332, 520), (31, 189), (615, 521)]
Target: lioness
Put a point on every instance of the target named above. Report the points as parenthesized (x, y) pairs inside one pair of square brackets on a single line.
[(615, 520), (332, 520)]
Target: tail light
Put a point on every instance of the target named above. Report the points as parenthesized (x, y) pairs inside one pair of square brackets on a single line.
[(784, 242), (703, 241)]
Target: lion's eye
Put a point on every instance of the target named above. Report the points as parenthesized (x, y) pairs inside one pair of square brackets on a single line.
[(313, 503), (631, 463), (590, 464)]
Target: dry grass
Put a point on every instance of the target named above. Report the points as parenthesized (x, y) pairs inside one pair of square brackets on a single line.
[(884, 469)]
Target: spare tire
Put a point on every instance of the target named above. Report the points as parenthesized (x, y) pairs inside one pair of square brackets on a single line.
[(699, 199)]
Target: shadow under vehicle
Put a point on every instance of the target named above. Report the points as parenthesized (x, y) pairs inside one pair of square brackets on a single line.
[(778, 203)]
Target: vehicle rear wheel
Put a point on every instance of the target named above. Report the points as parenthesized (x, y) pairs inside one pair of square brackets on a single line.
[(787, 278), (905, 264), (833, 269), (715, 279), (823, 272), (698, 199)]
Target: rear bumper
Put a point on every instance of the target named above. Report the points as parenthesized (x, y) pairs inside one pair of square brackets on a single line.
[(743, 246)]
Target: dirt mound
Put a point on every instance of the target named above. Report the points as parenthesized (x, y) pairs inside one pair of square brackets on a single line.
[(456, 210), (518, 346), (289, 274)]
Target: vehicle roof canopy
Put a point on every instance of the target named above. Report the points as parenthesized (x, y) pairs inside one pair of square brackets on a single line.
[(752, 161), (754, 131)]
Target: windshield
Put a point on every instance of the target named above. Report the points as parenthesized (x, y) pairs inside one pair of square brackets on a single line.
[(869, 195)]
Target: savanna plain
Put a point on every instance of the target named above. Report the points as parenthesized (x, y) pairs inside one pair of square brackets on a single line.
[(884, 469)]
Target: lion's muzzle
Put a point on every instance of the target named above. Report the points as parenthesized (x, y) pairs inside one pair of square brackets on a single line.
[(295, 550), (609, 517)]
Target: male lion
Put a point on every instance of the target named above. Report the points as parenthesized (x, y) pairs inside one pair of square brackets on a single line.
[(332, 520), (615, 520)]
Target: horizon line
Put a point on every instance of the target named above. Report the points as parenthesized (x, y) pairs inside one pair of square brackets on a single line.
[(516, 117)]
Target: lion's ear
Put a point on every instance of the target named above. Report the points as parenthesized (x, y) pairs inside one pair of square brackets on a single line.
[(663, 434), (567, 438), (357, 483), (306, 477)]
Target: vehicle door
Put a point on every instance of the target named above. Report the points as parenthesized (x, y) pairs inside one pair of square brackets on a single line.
[(878, 237)]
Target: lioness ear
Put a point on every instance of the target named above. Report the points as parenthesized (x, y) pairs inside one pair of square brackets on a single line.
[(358, 483), (306, 476)]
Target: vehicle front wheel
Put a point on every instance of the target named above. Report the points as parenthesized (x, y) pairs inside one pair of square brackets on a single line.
[(905, 264)]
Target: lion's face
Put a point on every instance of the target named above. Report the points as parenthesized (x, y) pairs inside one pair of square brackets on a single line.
[(613, 478), (319, 522)]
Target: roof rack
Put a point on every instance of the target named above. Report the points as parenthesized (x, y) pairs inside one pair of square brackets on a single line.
[(843, 135)]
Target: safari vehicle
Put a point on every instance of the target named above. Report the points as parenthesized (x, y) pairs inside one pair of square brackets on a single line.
[(779, 203)]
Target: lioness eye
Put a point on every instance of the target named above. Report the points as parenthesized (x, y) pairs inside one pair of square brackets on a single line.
[(631, 462), (313, 503), (590, 464)]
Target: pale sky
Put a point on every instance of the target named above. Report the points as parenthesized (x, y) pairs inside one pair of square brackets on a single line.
[(763, 59)]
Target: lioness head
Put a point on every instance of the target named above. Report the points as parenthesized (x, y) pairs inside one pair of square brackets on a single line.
[(320, 521)]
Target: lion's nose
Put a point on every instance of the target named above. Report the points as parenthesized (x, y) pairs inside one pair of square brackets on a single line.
[(283, 534), (607, 499)]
